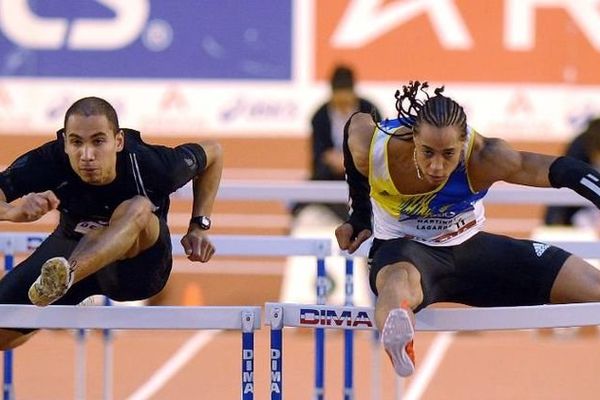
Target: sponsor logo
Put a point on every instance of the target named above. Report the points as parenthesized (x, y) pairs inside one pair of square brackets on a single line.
[(144, 39), (33, 242), (85, 227), (330, 317), (258, 110), (275, 371), (248, 371), (540, 248), (391, 40), (21, 25)]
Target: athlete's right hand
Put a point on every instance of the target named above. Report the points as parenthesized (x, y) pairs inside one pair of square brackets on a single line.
[(31, 207), (346, 238)]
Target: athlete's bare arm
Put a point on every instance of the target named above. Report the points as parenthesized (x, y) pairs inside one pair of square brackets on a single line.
[(206, 183), (360, 133), (205, 186), (28, 208), (495, 160)]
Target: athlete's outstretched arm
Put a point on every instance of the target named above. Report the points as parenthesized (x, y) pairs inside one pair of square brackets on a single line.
[(501, 162), (28, 208), (205, 187)]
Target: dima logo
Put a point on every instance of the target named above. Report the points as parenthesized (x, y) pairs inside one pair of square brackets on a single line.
[(26, 29), (329, 317)]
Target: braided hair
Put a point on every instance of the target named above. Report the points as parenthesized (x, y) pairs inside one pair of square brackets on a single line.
[(437, 110)]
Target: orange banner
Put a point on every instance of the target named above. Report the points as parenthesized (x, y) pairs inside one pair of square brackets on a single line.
[(510, 41)]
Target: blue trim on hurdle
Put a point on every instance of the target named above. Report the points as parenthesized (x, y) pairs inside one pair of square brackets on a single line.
[(8, 388), (107, 334), (349, 334), (247, 365), (276, 363), (348, 365), (320, 332), (80, 375)]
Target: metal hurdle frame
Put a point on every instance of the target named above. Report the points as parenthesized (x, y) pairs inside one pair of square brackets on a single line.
[(8, 388), (437, 319), (337, 192), (245, 319), (231, 245), (281, 315), (228, 245), (318, 191)]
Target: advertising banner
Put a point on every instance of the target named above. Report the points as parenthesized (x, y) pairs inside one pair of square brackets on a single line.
[(523, 69), (183, 39)]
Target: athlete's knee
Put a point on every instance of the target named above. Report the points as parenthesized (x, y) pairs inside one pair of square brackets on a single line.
[(577, 281), (137, 210), (594, 282), (403, 277)]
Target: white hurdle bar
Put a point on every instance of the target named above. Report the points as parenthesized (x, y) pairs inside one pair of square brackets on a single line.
[(439, 319), (243, 245), (227, 245), (281, 315), (337, 192), (583, 249), (244, 319), (122, 317)]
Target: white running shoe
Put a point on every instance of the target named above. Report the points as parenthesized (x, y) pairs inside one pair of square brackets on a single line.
[(55, 279), (397, 338)]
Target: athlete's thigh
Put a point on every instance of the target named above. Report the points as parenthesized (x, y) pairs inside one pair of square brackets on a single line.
[(142, 276), (497, 270), (434, 264)]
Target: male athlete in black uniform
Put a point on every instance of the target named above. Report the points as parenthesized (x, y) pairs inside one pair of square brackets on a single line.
[(112, 191)]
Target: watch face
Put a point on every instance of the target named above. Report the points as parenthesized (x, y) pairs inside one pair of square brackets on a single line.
[(204, 222)]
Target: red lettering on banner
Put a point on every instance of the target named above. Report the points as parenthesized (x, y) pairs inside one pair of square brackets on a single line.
[(5, 99), (543, 41), (173, 98)]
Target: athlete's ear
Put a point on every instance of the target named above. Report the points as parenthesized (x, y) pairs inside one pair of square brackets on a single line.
[(120, 138)]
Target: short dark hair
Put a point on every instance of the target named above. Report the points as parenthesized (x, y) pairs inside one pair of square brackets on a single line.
[(89, 106), (342, 78)]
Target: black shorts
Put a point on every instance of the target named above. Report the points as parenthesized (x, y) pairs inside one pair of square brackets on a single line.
[(485, 271), (134, 278)]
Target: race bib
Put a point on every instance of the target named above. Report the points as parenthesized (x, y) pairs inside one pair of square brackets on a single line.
[(86, 226)]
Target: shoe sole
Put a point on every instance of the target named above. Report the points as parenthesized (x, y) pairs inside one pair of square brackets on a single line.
[(52, 284), (397, 332)]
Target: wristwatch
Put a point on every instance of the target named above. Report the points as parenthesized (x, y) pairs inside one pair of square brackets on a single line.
[(202, 221)]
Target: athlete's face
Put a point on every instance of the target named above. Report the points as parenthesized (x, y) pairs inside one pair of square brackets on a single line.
[(438, 151), (92, 147)]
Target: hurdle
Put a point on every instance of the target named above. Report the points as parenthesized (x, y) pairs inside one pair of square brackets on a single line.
[(242, 245), (244, 319), (281, 315), (337, 192), (227, 245)]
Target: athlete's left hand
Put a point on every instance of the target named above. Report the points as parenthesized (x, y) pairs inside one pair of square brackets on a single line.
[(197, 246)]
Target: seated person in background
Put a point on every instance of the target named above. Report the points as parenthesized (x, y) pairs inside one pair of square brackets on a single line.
[(327, 164), (112, 192), (328, 131), (585, 147)]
